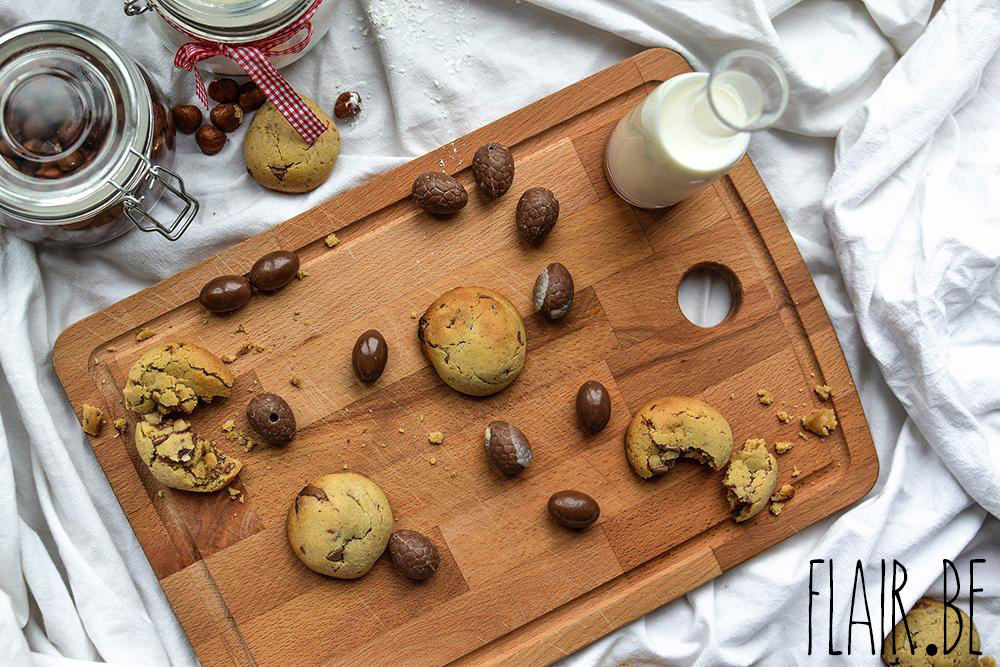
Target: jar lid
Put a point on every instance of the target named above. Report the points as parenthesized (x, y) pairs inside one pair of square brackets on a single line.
[(75, 117), (231, 20)]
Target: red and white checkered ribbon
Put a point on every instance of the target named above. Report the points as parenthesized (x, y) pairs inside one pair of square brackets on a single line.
[(253, 58)]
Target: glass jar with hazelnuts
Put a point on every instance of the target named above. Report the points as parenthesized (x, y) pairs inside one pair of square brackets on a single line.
[(86, 141)]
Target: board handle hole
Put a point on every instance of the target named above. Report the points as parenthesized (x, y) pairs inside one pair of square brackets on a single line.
[(709, 294)]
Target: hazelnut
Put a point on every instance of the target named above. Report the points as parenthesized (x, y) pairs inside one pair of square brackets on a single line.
[(187, 118), (251, 97), (224, 91), (210, 139), (227, 117), (49, 171), (348, 105), (537, 212), (71, 162)]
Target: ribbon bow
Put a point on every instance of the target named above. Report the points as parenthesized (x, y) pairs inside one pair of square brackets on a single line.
[(252, 57)]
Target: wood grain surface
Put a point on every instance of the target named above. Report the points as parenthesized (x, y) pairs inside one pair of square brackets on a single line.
[(513, 587)]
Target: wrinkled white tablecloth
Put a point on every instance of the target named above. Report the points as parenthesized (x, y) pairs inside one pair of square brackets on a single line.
[(885, 168)]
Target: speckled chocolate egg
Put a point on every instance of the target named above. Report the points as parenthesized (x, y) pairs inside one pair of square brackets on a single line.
[(414, 554), (493, 169), (271, 418), (537, 212), (553, 293), (439, 193), (507, 448)]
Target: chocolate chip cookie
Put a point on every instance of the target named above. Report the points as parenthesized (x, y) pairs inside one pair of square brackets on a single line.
[(180, 459), (673, 427), (750, 480), (173, 377), (340, 524), (475, 339), (279, 159), (926, 622)]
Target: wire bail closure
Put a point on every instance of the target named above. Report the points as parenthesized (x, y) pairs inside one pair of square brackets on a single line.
[(154, 176)]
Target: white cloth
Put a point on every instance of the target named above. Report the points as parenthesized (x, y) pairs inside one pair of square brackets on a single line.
[(884, 171)]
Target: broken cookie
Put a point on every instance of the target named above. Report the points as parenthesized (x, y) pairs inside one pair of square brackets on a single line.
[(180, 459), (173, 377), (339, 525), (92, 419), (821, 421), (669, 428), (750, 480)]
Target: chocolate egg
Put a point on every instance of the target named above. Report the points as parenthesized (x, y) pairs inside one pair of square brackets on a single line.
[(507, 448), (371, 353), (274, 270), (573, 509), (593, 405), (414, 554), (271, 418), (225, 294)]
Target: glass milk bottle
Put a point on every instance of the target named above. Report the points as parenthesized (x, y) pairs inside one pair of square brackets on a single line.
[(693, 128)]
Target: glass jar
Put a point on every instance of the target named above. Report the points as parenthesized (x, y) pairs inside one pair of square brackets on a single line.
[(233, 22), (85, 138)]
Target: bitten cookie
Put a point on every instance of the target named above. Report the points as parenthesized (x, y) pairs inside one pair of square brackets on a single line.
[(475, 339), (279, 159), (668, 428), (750, 480), (339, 525), (173, 377), (180, 459), (926, 623)]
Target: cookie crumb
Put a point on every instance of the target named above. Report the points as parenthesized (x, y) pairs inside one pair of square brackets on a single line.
[(420, 418), (786, 492), (145, 333), (240, 329), (823, 391), (435, 437), (345, 466), (159, 494), (414, 315), (331, 240), (803, 435), (301, 274), (228, 358), (433, 461), (228, 425), (295, 381), (764, 397), (821, 421), (120, 424), (402, 430), (92, 420), (732, 397), (111, 348), (784, 417), (204, 321), (795, 471), (782, 446), (234, 493), (776, 508)]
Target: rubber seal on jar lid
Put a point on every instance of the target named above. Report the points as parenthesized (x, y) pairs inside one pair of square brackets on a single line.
[(63, 72), (232, 20)]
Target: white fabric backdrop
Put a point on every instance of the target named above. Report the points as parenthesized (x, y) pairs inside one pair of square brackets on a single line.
[(885, 168)]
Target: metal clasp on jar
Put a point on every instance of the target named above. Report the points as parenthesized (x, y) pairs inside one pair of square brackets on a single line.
[(151, 177), (135, 7)]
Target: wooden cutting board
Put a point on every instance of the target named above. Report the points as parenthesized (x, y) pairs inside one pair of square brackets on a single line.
[(513, 587)]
